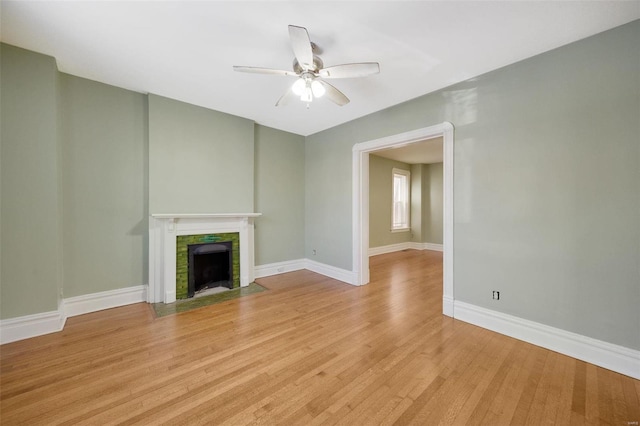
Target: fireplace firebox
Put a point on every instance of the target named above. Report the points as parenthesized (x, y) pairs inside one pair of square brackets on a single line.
[(210, 265)]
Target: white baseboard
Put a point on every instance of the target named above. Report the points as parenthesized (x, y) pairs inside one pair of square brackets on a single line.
[(330, 271), (374, 251), (87, 303), (430, 246), (14, 329), (298, 264), (279, 268), (607, 355), (448, 306)]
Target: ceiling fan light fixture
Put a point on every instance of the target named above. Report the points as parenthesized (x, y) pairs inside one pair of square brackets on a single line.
[(317, 88), (311, 72), (298, 87), (307, 93)]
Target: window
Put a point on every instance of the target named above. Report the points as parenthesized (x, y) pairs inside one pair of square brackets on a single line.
[(400, 207)]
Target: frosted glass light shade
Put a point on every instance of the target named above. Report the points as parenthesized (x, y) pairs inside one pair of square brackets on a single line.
[(298, 87), (317, 88)]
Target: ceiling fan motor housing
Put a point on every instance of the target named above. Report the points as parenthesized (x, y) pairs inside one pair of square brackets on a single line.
[(317, 65)]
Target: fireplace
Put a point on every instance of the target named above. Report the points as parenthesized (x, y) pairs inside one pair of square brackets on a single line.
[(169, 238), (210, 266), (205, 261)]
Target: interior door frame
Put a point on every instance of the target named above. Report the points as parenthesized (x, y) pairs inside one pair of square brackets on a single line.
[(360, 201)]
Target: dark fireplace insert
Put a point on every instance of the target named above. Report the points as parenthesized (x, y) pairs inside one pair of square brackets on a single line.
[(210, 265)]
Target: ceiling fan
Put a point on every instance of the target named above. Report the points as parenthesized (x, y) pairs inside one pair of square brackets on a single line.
[(311, 73)]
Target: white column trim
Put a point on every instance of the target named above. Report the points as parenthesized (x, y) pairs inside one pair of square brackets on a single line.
[(360, 202)]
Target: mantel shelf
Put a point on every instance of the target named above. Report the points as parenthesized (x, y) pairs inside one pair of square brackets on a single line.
[(201, 215)]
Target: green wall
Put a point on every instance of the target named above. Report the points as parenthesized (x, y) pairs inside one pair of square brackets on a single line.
[(104, 146), (200, 160), (546, 182), (82, 162), (30, 172), (380, 201), (433, 203), (417, 198), (426, 202), (279, 195), (328, 199)]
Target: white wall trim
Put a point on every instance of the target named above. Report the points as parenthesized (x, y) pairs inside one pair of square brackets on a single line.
[(276, 268), (360, 201), (432, 246), (94, 302), (603, 354), (409, 245), (374, 251), (25, 327), (330, 271), (448, 306), (14, 329)]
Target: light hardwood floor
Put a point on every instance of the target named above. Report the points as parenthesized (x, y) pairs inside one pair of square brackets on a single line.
[(311, 350)]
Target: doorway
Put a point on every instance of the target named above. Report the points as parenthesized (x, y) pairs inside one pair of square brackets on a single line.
[(360, 202)]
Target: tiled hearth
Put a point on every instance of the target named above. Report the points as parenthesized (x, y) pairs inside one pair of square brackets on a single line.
[(163, 232)]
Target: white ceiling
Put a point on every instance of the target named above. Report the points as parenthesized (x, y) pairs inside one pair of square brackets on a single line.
[(424, 152), (186, 50)]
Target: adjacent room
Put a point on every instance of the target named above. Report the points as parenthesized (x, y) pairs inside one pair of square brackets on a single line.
[(320, 212)]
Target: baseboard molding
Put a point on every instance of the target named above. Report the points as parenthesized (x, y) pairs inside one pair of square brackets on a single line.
[(448, 306), (298, 264), (14, 329), (94, 302), (279, 268), (409, 245), (330, 271), (375, 251), (431, 246), (603, 354)]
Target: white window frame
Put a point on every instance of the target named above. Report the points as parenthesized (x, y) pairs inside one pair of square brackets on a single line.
[(403, 225)]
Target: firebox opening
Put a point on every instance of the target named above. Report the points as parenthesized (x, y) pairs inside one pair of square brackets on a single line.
[(210, 265)]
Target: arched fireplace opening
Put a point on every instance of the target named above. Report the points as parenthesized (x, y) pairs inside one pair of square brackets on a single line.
[(210, 265)]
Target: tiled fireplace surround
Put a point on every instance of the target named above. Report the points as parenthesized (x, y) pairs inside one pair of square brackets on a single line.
[(163, 231)]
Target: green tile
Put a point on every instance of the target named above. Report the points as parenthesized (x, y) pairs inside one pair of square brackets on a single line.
[(182, 257)]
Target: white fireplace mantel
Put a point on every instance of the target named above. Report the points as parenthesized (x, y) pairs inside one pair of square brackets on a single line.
[(163, 231)]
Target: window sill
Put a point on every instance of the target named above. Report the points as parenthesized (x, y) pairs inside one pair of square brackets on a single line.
[(393, 230)]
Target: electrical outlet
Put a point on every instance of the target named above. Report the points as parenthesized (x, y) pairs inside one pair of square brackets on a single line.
[(496, 295), (314, 252)]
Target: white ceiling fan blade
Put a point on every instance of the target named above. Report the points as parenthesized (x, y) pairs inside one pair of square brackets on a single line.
[(362, 69), (284, 99), (301, 45), (334, 94), (258, 70)]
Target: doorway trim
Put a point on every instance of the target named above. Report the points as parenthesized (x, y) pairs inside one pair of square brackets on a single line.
[(360, 202)]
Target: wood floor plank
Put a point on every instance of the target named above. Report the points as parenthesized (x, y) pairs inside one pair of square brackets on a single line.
[(310, 351)]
